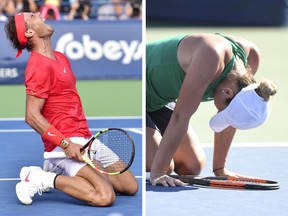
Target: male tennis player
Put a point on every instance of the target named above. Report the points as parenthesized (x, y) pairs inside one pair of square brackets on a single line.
[(54, 110)]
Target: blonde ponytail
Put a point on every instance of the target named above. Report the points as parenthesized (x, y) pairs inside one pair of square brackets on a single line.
[(266, 89)]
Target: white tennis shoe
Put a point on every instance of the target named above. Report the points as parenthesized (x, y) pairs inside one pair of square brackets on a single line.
[(33, 180)]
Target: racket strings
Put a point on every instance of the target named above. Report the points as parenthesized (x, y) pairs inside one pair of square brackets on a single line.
[(111, 150)]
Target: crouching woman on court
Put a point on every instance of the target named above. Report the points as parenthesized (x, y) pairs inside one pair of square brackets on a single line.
[(182, 72)]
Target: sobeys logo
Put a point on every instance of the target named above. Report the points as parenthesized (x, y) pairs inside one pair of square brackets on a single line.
[(9, 72), (113, 50)]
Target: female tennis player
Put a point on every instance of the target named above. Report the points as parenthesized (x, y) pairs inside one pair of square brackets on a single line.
[(54, 110), (183, 71)]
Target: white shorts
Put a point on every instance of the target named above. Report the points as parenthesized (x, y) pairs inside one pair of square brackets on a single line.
[(71, 167)]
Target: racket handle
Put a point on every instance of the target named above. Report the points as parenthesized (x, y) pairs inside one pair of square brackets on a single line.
[(88, 161), (48, 155)]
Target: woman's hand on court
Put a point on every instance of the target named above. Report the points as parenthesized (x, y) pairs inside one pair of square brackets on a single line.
[(160, 178), (73, 151)]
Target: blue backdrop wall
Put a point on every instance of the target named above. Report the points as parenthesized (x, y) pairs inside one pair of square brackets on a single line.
[(96, 50), (219, 12)]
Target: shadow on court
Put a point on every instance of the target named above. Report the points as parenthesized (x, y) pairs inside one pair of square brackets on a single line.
[(150, 188)]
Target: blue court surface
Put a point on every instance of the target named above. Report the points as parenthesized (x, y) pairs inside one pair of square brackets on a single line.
[(266, 160), (21, 146)]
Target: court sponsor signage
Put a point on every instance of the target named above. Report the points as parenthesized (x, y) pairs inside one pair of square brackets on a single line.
[(96, 50)]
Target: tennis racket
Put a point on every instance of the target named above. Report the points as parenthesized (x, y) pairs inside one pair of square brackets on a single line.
[(229, 182), (110, 151)]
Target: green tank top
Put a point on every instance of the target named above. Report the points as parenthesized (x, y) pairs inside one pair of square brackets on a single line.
[(164, 76)]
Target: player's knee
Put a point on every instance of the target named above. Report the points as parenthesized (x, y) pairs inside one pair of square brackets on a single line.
[(192, 168), (198, 165), (103, 200), (129, 189), (132, 189)]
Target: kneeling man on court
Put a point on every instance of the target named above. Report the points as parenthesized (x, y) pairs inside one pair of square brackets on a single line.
[(54, 110)]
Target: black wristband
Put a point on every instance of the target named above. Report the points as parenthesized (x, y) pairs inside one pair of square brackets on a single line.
[(218, 169)]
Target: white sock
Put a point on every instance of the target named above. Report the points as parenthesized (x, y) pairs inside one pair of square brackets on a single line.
[(48, 179)]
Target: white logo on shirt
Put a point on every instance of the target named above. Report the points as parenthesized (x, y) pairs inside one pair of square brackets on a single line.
[(64, 70), (50, 134)]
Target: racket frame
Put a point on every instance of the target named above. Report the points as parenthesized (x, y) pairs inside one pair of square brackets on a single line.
[(228, 182), (48, 155)]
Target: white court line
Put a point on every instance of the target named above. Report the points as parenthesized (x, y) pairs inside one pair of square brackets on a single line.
[(9, 179), (89, 118), (16, 130), (114, 117), (251, 144), (135, 130), (18, 179)]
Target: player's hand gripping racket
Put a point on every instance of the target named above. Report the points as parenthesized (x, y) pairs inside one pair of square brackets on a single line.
[(229, 182), (110, 151)]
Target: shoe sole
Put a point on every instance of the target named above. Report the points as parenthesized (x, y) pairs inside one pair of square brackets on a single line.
[(20, 195)]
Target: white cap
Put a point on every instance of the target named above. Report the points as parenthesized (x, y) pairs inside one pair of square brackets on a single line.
[(247, 110)]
